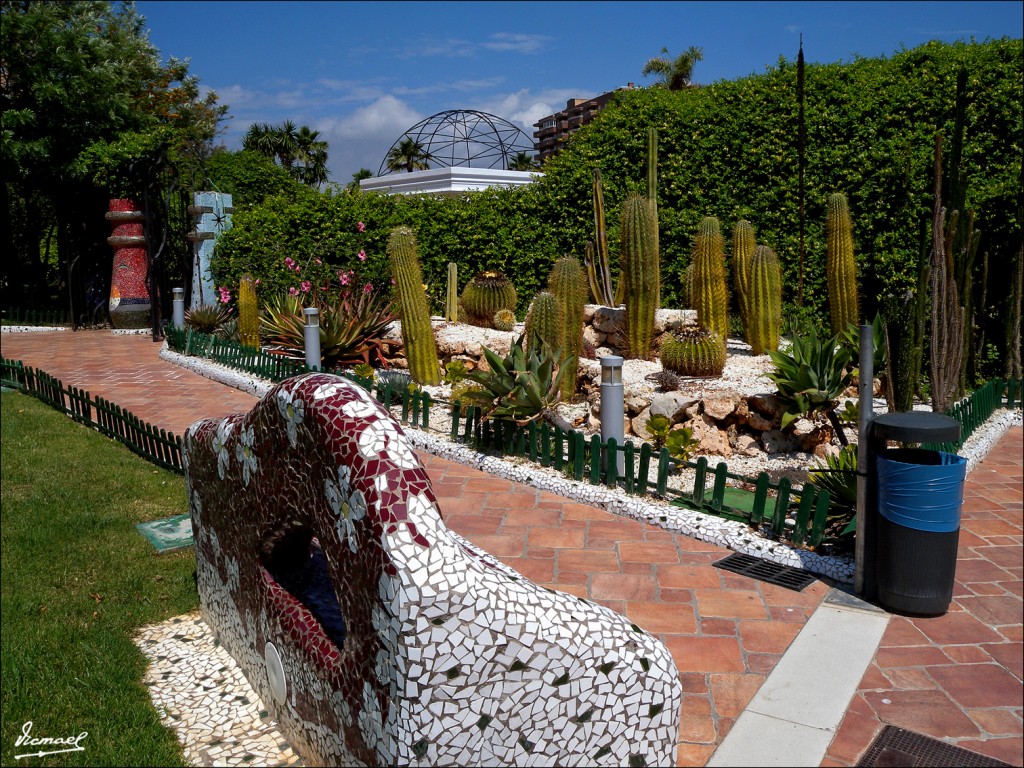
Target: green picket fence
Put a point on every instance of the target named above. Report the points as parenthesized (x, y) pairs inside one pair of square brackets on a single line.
[(41, 317), (978, 407), (158, 446), (798, 514)]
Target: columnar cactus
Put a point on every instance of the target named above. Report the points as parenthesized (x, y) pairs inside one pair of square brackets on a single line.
[(504, 320), (840, 266), (693, 352), (597, 261), (484, 295), (764, 301), (451, 299), (417, 333), (709, 295), (544, 322), (743, 243), (640, 273), (248, 313), (568, 283)]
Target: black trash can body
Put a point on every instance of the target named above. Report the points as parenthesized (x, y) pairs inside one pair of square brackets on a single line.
[(920, 496)]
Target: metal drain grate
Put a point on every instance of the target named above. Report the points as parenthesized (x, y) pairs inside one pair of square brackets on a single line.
[(898, 747), (781, 575)]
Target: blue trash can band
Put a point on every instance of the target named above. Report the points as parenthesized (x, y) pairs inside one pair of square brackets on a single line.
[(921, 489)]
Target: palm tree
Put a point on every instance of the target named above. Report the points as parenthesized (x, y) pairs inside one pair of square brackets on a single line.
[(298, 150), (523, 161), (311, 154), (674, 74), (409, 156), (362, 173)]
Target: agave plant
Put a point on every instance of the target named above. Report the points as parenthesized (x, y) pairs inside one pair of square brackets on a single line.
[(207, 318), (522, 387), (810, 377), (351, 329), (838, 476)]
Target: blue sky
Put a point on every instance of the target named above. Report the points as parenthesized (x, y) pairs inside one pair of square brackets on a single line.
[(362, 73)]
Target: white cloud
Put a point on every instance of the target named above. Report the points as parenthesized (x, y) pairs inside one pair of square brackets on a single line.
[(510, 41)]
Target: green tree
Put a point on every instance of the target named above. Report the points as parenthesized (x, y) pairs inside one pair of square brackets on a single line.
[(76, 78), (523, 161), (300, 151), (409, 155), (673, 74)]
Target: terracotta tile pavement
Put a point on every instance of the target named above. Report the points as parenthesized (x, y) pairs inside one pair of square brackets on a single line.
[(726, 632)]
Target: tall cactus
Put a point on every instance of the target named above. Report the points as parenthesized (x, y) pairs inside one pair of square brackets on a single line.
[(451, 299), (640, 273), (568, 283), (544, 322), (743, 244), (764, 302), (840, 266), (417, 333), (248, 313), (709, 294), (485, 294), (597, 261)]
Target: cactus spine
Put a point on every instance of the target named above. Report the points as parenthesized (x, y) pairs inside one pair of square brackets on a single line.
[(764, 301), (693, 352), (743, 243), (708, 291), (640, 273), (504, 320), (417, 333), (840, 267), (569, 285), (451, 299), (544, 322), (484, 295), (248, 313)]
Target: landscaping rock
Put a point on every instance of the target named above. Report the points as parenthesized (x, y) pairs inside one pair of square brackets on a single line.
[(672, 405), (720, 407), (747, 445), (712, 439), (609, 320)]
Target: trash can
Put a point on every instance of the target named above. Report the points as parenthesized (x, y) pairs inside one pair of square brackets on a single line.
[(919, 497)]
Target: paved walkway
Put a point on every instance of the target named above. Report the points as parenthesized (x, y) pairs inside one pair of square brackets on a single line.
[(957, 677)]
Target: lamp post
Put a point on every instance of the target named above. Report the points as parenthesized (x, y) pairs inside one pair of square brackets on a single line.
[(311, 336), (613, 405), (178, 308)]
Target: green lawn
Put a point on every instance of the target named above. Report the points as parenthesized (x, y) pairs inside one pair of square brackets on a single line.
[(77, 580)]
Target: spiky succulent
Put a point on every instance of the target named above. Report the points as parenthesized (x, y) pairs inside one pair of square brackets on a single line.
[(504, 320), (207, 318), (484, 295), (693, 352)]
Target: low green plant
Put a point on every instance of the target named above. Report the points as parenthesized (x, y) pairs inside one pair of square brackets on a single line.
[(659, 426), (351, 328), (504, 320), (521, 387), (681, 444), (810, 377), (365, 370), (454, 372), (850, 338)]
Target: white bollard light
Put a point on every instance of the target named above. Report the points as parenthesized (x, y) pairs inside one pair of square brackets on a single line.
[(311, 336), (613, 415), (178, 308)]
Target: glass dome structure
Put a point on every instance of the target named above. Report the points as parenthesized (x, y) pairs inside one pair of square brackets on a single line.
[(465, 138)]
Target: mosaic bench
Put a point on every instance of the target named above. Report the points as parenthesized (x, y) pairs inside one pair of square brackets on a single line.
[(372, 633)]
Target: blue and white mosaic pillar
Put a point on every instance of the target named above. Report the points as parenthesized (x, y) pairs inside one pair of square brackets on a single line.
[(212, 212)]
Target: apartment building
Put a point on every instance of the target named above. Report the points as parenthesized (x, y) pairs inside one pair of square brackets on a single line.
[(553, 130)]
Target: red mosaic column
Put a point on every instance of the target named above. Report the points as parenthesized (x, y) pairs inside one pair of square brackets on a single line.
[(129, 297)]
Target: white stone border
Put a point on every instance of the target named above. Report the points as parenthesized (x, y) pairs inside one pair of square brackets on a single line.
[(705, 527), (31, 328)]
